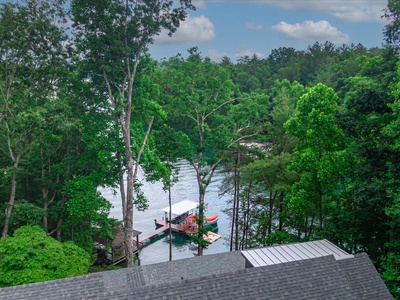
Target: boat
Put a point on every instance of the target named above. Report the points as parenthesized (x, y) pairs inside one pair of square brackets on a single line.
[(209, 220)]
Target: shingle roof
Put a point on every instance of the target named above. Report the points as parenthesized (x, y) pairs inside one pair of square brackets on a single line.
[(219, 276), (363, 278)]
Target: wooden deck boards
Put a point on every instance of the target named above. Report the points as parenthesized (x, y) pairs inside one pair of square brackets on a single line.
[(154, 233)]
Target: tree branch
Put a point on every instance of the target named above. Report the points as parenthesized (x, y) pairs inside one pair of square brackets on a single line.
[(143, 145)]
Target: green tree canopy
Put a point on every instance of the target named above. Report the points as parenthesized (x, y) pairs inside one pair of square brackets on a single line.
[(32, 256), (318, 158)]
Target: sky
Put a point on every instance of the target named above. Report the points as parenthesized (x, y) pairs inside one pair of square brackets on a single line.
[(236, 28)]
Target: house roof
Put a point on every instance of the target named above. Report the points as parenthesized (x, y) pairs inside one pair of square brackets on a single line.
[(219, 276), (182, 207)]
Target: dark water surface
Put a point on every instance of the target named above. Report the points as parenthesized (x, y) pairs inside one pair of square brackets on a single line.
[(185, 188)]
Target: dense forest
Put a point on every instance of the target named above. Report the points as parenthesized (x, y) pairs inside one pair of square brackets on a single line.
[(309, 139)]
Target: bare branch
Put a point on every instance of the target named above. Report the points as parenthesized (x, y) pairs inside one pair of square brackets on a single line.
[(218, 107), (143, 145)]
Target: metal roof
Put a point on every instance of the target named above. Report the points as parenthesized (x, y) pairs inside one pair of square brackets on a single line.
[(182, 207), (293, 252)]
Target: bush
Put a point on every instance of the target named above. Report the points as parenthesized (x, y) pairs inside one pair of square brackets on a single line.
[(32, 256)]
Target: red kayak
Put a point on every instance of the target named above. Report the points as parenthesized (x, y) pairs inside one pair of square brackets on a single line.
[(209, 220)]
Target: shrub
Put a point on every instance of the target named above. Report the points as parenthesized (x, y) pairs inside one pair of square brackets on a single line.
[(32, 256)]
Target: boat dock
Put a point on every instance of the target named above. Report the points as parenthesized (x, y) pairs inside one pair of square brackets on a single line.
[(152, 234), (188, 229), (178, 222)]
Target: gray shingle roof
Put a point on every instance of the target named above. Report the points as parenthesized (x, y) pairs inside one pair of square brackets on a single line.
[(363, 278), (219, 276)]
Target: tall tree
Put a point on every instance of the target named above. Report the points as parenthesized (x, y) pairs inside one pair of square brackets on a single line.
[(392, 30), (366, 112), (31, 50), (112, 36), (268, 178), (318, 155), (198, 95)]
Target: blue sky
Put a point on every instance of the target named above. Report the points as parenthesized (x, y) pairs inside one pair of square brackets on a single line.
[(236, 28)]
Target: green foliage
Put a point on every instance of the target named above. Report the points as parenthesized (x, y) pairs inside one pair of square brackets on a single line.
[(32, 256), (24, 213), (391, 272), (392, 30), (284, 96), (319, 154), (87, 213), (281, 237), (58, 147), (361, 221)]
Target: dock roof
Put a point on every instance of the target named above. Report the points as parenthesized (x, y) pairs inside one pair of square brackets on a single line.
[(182, 207)]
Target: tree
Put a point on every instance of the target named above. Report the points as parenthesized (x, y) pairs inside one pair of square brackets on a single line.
[(112, 36), (86, 212), (318, 155), (285, 63), (315, 59), (268, 178), (31, 50), (32, 256), (363, 221), (171, 145), (198, 95), (392, 30), (390, 261)]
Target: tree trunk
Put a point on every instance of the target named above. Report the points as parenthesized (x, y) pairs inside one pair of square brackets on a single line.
[(10, 203), (132, 169), (201, 219), (237, 191), (271, 203), (121, 185), (233, 209), (16, 161), (247, 218), (320, 209), (280, 212), (311, 227), (128, 220), (169, 224)]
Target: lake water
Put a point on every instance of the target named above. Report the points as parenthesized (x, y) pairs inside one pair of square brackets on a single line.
[(185, 188)]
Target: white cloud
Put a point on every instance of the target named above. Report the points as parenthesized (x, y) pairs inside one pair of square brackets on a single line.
[(342, 10), (199, 3), (254, 26), (193, 30), (240, 52), (312, 31)]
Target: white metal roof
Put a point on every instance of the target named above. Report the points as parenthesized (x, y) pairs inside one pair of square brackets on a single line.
[(292, 252), (182, 207)]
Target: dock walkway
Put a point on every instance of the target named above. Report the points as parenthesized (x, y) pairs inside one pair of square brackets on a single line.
[(186, 228), (154, 233)]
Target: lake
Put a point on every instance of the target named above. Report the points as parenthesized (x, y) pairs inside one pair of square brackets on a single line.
[(185, 188)]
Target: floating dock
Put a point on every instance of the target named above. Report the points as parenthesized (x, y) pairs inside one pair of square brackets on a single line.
[(211, 237)]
